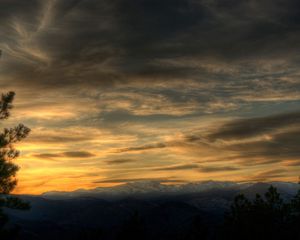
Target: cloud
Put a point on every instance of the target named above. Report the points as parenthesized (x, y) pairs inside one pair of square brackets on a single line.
[(150, 77), (269, 174), (119, 161), (127, 180), (78, 154), (264, 140), (181, 42), (211, 169), (57, 139), (47, 155), (251, 127), (142, 148), (178, 167), (293, 163), (81, 154), (280, 147)]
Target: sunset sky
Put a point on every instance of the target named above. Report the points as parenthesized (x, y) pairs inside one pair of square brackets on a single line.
[(116, 91)]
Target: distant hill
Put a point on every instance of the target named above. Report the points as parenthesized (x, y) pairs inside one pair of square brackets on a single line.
[(164, 209)]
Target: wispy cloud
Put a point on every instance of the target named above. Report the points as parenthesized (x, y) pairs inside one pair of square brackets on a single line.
[(178, 167), (142, 148), (127, 180), (208, 169), (273, 174), (119, 161), (79, 154), (251, 127)]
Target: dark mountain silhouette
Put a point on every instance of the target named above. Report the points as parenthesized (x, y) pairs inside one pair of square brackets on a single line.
[(155, 188), (184, 214)]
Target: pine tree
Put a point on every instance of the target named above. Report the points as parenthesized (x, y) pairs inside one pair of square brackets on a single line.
[(8, 153), (296, 202), (267, 217)]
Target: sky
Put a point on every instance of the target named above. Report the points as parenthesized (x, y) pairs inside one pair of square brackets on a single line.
[(175, 91)]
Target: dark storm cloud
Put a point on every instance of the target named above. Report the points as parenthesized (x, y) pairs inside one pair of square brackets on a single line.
[(73, 36), (184, 28), (102, 42), (17, 8), (160, 22), (246, 128)]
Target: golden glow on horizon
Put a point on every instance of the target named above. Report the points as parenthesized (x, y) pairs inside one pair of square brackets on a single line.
[(72, 158)]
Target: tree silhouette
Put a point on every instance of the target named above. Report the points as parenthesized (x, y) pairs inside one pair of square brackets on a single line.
[(8, 153), (132, 229), (198, 230), (295, 215), (296, 203), (267, 217)]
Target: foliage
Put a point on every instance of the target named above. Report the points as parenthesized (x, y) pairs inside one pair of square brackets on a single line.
[(267, 217), (8, 153), (133, 228)]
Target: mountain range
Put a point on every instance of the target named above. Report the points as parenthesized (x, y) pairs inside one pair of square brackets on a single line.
[(166, 211), (156, 188)]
